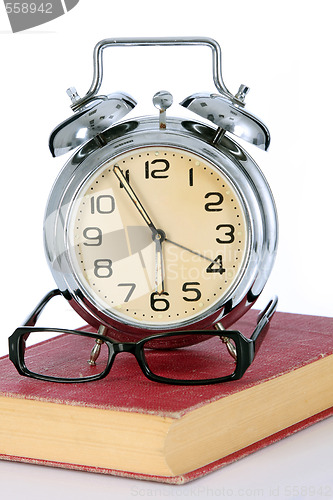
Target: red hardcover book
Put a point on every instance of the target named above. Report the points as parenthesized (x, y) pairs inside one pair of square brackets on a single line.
[(127, 425)]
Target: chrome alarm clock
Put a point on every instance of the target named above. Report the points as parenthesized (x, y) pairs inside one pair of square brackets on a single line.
[(160, 223)]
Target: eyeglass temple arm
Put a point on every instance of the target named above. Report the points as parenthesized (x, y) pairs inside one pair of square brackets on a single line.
[(31, 320), (263, 323)]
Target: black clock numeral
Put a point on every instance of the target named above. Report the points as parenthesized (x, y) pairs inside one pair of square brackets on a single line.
[(188, 287), (126, 175), (157, 173), (229, 233), (216, 266), (212, 205), (158, 303), (102, 204), (103, 268), (131, 290), (93, 235), (190, 176)]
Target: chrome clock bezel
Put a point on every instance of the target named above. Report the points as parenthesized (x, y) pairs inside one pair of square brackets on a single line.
[(195, 137)]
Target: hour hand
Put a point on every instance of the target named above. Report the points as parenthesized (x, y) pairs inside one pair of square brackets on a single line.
[(159, 269)]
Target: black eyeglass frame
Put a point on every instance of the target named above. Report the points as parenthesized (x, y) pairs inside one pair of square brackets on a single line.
[(246, 348)]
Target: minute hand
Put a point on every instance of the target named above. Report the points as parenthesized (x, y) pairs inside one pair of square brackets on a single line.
[(158, 235), (134, 198)]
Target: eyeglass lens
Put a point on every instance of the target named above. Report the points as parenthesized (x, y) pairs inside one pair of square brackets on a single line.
[(207, 360), (64, 356)]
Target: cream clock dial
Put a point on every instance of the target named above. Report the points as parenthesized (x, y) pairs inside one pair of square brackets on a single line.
[(158, 235)]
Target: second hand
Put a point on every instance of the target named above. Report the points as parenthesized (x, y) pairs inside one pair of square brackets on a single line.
[(188, 249)]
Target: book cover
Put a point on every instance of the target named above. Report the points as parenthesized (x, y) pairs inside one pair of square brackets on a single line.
[(137, 428)]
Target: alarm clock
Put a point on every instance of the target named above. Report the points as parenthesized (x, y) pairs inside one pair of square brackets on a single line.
[(160, 223)]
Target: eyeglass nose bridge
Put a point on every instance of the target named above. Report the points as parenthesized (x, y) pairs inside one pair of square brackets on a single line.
[(124, 347), (118, 347), (114, 348)]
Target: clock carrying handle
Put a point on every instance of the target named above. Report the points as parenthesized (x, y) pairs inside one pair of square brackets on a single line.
[(145, 42)]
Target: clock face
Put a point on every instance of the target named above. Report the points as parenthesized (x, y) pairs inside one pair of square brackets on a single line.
[(157, 237)]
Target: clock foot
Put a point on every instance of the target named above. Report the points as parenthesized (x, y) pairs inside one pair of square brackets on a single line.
[(95, 351)]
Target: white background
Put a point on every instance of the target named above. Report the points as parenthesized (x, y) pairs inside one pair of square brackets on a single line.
[(283, 51)]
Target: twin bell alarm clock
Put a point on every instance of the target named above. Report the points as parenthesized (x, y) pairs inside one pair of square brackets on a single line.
[(160, 223)]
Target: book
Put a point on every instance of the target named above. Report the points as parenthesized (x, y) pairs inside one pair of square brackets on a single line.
[(127, 425)]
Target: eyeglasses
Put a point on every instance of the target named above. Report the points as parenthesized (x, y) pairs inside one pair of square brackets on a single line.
[(59, 355)]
